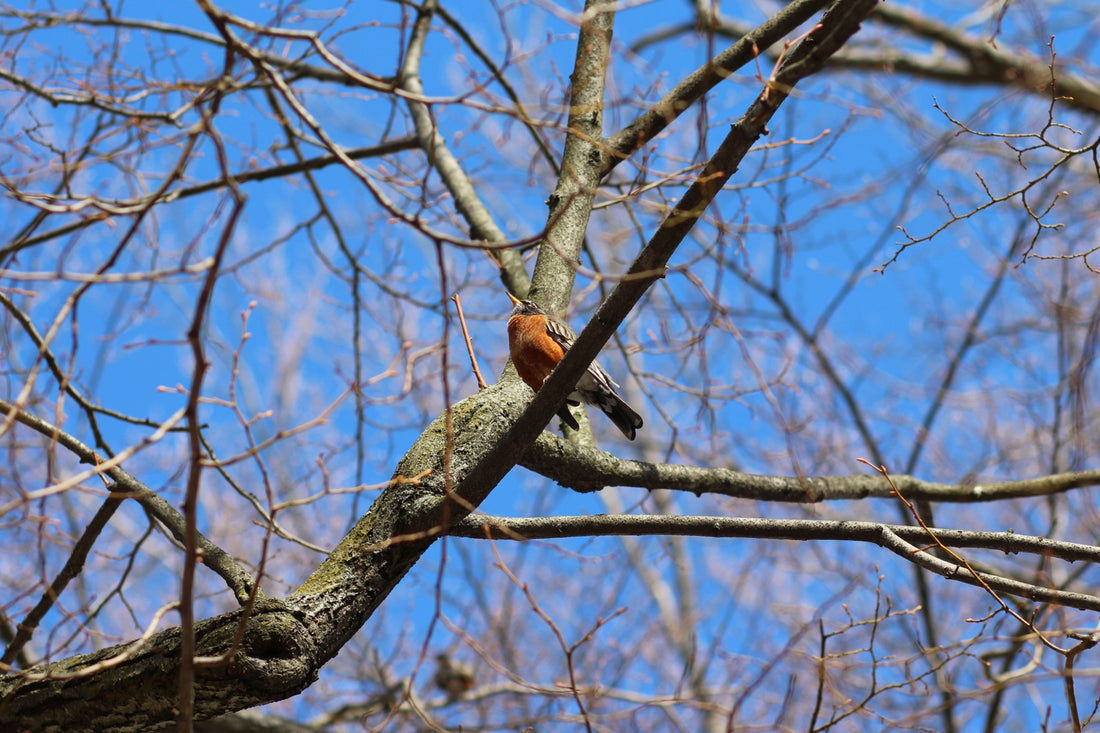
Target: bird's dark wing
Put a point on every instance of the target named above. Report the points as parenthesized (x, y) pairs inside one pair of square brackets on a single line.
[(596, 387), (560, 331)]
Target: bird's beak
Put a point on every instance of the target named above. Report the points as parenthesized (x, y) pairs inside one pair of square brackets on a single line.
[(514, 299)]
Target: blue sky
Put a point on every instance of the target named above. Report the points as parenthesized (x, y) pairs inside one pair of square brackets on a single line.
[(879, 155)]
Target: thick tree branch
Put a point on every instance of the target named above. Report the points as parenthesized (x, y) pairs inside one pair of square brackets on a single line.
[(585, 469), (571, 201), (985, 63)]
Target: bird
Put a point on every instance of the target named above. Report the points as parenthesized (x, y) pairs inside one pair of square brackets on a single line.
[(537, 341), (453, 677)]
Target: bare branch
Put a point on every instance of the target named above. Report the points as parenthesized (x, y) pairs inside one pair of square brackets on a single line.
[(903, 540)]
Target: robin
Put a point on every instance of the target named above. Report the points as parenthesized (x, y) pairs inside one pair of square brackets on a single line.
[(538, 341)]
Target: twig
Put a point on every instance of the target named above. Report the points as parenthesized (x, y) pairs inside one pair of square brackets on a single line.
[(469, 345), (1088, 641)]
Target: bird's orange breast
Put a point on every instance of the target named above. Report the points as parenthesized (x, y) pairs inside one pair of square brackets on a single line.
[(533, 351)]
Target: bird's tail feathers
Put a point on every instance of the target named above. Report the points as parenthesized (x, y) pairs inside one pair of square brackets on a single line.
[(622, 414)]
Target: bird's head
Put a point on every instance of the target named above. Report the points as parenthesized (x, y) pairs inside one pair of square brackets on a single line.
[(525, 307)]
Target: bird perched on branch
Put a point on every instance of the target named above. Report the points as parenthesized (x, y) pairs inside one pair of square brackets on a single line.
[(538, 341), (453, 677)]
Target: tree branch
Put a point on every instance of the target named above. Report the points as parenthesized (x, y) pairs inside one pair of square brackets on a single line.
[(586, 469), (903, 540)]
